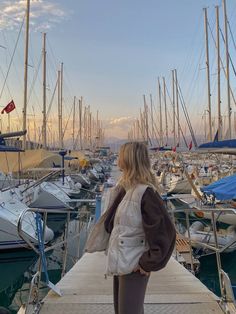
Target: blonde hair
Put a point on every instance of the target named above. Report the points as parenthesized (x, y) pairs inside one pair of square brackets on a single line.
[(135, 165)]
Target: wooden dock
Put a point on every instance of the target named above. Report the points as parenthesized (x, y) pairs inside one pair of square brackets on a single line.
[(171, 290)]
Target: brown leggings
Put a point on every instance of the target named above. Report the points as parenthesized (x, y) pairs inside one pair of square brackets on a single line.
[(129, 292)]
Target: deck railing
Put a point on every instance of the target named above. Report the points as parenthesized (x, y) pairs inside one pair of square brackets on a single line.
[(225, 285), (33, 304)]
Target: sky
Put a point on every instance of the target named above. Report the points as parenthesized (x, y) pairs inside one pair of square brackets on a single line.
[(113, 53)]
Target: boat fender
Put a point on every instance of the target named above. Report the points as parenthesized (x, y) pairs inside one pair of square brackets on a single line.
[(197, 226), (231, 229)]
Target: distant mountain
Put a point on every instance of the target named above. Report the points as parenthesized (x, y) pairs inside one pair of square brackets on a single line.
[(115, 143)]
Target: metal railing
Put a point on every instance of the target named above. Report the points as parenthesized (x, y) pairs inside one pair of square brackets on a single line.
[(224, 281), (33, 305)]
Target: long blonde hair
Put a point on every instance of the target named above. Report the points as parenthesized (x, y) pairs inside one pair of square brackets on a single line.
[(135, 165)]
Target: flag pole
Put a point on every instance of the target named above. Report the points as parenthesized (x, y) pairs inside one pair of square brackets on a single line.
[(9, 125)]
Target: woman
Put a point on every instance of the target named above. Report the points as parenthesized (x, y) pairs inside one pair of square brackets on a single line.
[(142, 236)]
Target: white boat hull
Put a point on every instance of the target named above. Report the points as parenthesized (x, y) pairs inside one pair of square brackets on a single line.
[(9, 215), (49, 196)]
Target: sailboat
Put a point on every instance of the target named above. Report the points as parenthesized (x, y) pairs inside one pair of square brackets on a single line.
[(11, 209)]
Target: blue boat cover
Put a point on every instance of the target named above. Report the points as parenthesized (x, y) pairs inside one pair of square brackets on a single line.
[(4, 148), (219, 144), (223, 189)]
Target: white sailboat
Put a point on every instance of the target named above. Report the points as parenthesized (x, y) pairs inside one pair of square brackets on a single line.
[(11, 209), (50, 196)]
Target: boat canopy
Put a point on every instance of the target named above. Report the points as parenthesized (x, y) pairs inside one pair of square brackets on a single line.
[(38, 158), (223, 189), (218, 147), (4, 148), (161, 148), (219, 144)]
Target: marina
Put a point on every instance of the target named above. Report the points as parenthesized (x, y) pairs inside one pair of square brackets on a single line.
[(79, 83), (85, 289)]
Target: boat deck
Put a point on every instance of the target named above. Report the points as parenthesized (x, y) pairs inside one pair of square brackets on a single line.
[(171, 290)]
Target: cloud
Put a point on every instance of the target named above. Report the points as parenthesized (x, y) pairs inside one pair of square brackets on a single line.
[(43, 14), (118, 127)]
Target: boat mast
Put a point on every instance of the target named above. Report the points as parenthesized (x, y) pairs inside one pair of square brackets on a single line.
[(80, 122), (205, 125), (44, 131), (90, 128), (173, 97), (141, 125), (84, 126), (227, 68), (161, 130), (218, 74), (146, 118), (24, 112), (177, 107), (208, 73), (166, 120), (59, 108), (152, 116), (61, 104), (73, 124)]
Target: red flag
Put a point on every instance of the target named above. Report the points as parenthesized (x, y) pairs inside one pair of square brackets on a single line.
[(10, 107), (190, 145)]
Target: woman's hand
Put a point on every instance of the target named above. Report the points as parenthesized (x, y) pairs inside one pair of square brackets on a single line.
[(142, 271)]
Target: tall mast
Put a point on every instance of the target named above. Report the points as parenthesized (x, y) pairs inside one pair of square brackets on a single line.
[(166, 120), (85, 128), (205, 125), (146, 117), (152, 122), (177, 106), (208, 74), (227, 68), (61, 104), (97, 129), (173, 97), (90, 127), (24, 112), (59, 108), (80, 122), (161, 130), (218, 74), (44, 133), (73, 124), (142, 126)]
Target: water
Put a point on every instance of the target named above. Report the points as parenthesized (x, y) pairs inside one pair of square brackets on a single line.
[(208, 270)]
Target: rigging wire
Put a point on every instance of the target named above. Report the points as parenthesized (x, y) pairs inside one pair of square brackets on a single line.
[(12, 57), (231, 92), (231, 34), (51, 102), (181, 130), (34, 79), (230, 59)]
